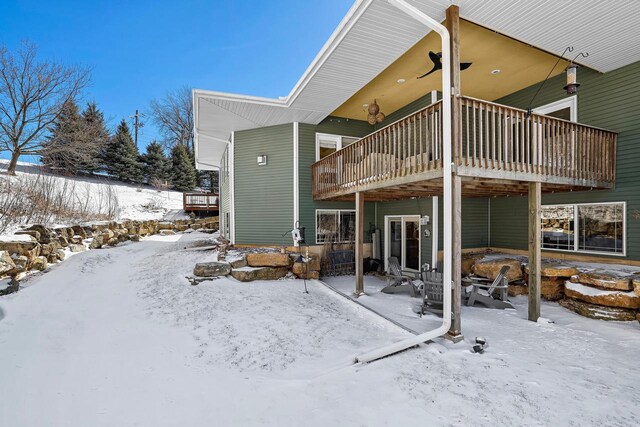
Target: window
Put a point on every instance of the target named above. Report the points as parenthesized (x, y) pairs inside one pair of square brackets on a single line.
[(593, 227), (335, 226), (327, 144)]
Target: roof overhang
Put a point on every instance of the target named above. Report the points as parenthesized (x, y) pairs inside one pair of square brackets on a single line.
[(374, 34)]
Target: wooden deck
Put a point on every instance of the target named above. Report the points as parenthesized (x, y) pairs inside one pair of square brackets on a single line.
[(200, 202), (500, 150)]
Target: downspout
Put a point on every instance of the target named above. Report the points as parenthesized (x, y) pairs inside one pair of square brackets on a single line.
[(447, 199)]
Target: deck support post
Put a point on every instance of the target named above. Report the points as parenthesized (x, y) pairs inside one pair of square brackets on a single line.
[(535, 256), (359, 255), (453, 26)]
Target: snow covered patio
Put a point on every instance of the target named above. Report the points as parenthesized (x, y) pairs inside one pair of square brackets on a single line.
[(118, 337)]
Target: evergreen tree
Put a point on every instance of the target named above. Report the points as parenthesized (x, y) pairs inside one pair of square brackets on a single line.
[(183, 173), (156, 164), (97, 134), (121, 157), (60, 150)]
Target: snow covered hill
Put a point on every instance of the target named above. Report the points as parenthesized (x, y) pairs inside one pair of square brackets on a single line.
[(126, 201)]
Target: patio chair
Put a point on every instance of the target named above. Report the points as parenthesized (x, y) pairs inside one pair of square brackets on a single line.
[(432, 292), (483, 290), (399, 280)]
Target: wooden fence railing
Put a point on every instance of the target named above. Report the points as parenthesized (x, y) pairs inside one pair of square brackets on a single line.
[(496, 142), (200, 202)]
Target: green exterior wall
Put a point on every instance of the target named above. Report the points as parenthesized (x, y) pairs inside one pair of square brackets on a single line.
[(610, 101), (264, 194), (307, 157)]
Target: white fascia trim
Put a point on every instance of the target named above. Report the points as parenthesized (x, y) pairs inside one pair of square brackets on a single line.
[(232, 190), (296, 176)]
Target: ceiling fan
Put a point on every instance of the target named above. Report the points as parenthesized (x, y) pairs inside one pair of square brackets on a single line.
[(436, 58)]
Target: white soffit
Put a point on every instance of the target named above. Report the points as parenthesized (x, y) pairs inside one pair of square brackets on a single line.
[(374, 34)]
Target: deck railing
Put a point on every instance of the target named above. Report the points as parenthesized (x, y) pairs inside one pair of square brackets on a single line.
[(496, 142), (407, 147), (200, 202)]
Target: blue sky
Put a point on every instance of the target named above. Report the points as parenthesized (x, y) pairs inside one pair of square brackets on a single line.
[(139, 50)]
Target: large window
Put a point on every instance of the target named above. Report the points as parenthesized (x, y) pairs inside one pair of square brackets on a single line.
[(335, 226), (327, 144), (594, 227)]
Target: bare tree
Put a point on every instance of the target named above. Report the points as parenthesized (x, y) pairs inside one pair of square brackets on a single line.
[(32, 94), (173, 115)]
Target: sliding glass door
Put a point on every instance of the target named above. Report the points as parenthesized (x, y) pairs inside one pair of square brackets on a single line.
[(402, 240)]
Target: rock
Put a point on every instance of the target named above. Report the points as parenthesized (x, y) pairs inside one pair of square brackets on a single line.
[(212, 269), (64, 242), (134, 237), (555, 269), (638, 316), (181, 227), (21, 245), (268, 259), (195, 226), (165, 225), (33, 233), (60, 255), (599, 297), (301, 270), (606, 279), (46, 234), (598, 312), (552, 289), (79, 231), (6, 262), (22, 264), (248, 274), (468, 261), (516, 289), (238, 263), (165, 232), (73, 247), (636, 285), (491, 268), (40, 263), (97, 242)]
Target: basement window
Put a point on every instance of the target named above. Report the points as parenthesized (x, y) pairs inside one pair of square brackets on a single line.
[(335, 226), (586, 227)]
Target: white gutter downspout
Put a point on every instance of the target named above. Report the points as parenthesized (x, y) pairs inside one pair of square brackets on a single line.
[(296, 176), (447, 199)]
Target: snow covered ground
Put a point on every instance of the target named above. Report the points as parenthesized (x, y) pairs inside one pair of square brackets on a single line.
[(118, 337), (135, 202)]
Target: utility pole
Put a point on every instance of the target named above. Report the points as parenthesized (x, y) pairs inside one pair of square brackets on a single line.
[(137, 124)]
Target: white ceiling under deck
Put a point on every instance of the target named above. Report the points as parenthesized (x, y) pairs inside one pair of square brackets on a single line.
[(374, 34)]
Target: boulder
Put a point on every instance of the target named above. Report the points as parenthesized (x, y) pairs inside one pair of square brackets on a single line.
[(40, 263), (238, 262), (97, 242), (268, 259), (312, 260), (195, 226), (181, 227), (516, 289), (596, 296), (64, 242), (134, 237), (22, 264), (212, 269), (21, 245), (248, 274), (490, 268), (555, 269), (79, 231), (552, 289), (33, 233), (597, 311), (6, 262), (60, 255), (46, 234), (165, 232), (605, 279), (302, 271), (636, 285), (77, 247), (165, 225)]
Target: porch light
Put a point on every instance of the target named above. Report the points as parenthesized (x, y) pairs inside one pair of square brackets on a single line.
[(262, 160), (572, 81)]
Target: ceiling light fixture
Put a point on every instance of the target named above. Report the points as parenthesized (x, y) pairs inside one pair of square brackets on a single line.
[(496, 71), (400, 81)]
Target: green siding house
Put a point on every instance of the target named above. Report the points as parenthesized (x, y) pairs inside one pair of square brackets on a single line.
[(302, 158)]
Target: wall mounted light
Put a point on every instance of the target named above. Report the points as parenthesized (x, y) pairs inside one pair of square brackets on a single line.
[(262, 160)]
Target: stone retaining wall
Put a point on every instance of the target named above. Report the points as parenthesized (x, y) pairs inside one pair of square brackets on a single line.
[(35, 247)]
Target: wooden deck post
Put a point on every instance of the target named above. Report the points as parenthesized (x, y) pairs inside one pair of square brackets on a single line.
[(453, 25), (535, 257), (359, 258)]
